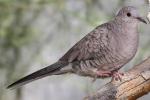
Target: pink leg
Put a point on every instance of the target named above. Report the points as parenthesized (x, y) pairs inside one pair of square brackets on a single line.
[(103, 73), (117, 75)]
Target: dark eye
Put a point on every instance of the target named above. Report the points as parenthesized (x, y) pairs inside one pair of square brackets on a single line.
[(128, 14)]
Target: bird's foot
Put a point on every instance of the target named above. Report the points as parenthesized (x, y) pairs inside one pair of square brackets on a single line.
[(117, 75)]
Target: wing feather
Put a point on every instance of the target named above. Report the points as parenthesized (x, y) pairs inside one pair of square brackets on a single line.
[(89, 47)]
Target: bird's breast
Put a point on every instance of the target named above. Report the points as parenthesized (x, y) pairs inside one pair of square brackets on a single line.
[(128, 44)]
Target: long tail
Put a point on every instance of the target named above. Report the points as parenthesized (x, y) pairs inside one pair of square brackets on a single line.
[(50, 70)]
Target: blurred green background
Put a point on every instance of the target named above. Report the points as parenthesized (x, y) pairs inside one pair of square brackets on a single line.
[(35, 33)]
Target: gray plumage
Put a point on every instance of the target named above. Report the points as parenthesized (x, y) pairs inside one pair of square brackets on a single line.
[(105, 49)]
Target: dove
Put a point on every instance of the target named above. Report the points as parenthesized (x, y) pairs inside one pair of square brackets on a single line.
[(101, 53)]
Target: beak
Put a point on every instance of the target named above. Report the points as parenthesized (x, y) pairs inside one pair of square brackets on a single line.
[(141, 19)]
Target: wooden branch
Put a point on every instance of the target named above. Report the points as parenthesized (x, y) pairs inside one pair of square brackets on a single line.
[(135, 83)]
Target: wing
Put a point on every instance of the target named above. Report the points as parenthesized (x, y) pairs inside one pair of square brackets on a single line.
[(90, 46)]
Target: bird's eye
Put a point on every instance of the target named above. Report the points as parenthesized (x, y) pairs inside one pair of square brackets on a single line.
[(128, 14)]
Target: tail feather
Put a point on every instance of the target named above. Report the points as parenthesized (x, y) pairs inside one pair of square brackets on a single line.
[(39, 74)]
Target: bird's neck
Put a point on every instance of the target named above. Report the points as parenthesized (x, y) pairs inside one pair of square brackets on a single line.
[(129, 29), (130, 24)]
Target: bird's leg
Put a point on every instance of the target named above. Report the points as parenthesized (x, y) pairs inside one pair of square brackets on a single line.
[(117, 75), (101, 73)]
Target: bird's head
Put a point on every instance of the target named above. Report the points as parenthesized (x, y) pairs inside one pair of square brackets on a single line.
[(130, 14)]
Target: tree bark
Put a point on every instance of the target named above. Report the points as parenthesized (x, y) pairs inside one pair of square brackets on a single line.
[(134, 84)]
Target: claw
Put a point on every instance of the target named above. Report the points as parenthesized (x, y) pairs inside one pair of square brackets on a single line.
[(117, 76)]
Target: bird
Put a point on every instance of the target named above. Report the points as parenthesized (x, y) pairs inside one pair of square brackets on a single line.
[(100, 53)]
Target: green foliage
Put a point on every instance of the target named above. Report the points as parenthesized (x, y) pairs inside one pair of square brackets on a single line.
[(16, 31), (10, 26)]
